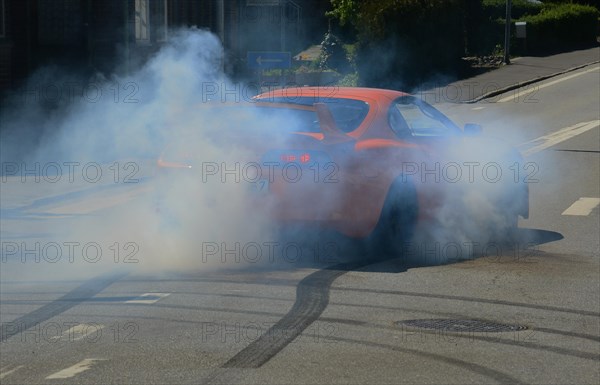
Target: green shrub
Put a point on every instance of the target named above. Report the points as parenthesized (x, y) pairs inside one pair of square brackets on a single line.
[(333, 54), (582, 2), (488, 22), (496, 9), (561, 25), (350, 80), (490, 36), (402, 42)]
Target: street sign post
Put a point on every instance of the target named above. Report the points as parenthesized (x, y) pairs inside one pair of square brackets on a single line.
[(264, 60)]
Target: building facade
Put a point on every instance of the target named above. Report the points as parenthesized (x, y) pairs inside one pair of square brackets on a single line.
[(115, 35)]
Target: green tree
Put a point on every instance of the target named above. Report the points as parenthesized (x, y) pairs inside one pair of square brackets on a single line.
[(404, 42), (333, 55)]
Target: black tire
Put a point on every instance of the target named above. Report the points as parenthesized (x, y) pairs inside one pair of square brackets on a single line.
[(507, 231), (513, 203), (397, 221)]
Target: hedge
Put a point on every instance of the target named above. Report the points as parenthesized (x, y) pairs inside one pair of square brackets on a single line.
[(561, 25), (554, 27), (496, 9), (583, 2), (410, 41)]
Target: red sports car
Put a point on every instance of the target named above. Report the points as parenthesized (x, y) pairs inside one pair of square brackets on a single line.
[(364, 162)]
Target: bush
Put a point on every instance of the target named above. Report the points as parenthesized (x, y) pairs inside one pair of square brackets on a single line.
[(496, 9), (333, 54), (582, 2), (491, 35), (562, 25), (550, 26), (408, 41), (402, 42)]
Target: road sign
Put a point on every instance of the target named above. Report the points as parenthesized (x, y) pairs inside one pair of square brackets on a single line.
[(268, 60)]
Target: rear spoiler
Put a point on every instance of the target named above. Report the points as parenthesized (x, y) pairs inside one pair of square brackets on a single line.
[(331, 132)]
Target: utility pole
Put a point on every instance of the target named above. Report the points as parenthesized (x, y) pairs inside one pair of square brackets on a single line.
[(507, 33), (126, 34), (282, 4)]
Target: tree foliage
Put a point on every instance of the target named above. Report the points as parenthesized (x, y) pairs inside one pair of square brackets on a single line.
[(402, 42), (333, 55), (372, 18)]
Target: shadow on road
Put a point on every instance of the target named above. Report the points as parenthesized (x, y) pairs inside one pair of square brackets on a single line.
[(331, 251)]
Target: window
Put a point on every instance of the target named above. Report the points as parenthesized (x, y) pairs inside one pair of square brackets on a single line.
[(150, 21), (410, 116), (288, 120), (347, 113), (142, 18)]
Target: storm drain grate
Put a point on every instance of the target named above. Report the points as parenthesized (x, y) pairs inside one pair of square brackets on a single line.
[(461, 325)]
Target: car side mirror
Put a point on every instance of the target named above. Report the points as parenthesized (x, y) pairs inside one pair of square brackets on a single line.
[(472, 129)]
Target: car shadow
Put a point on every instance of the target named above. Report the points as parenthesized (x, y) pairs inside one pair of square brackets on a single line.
[(328, 250)]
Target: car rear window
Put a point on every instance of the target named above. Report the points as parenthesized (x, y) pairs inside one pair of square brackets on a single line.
[(257, 119), (288, 120), (347, 113)]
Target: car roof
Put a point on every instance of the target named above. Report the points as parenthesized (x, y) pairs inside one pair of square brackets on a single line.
[(333, 92)]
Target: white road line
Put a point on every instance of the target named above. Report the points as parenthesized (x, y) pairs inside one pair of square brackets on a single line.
[(74, 370), (154, 297), (80, 331), (543, 142), (582, 207), (477, 108), (537, 88), (4, 374), (98, 201)]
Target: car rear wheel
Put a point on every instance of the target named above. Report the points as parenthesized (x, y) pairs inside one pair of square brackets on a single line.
[(397, 221), (507, 230)]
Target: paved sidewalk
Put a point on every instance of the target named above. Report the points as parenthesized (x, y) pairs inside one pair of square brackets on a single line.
[(522, 71)]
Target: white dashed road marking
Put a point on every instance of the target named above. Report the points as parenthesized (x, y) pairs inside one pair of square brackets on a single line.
[(75, 369), (77, 332), (546, 141), (9, 372), (98, 202), (582, 207), (148, 298)]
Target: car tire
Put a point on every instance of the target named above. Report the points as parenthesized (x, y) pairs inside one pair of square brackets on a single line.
[(507, 230), (397, 221)]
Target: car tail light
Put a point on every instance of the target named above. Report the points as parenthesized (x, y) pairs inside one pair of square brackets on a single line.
[(301, 157), (289, 158)]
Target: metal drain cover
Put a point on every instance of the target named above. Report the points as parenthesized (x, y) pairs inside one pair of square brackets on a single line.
[(461, 325)]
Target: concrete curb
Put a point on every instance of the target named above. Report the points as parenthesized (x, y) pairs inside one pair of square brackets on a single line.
[(527, 82)]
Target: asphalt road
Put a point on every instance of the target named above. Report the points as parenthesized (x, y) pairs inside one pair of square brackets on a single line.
[(332, 316)]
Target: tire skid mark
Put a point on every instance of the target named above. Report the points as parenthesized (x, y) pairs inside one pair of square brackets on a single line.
[(473, 367), (524, 343), (472, 299), (312, 297), (281, 282), (76, 296)]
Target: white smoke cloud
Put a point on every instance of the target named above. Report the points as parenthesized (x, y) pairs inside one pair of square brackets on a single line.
[(134, 118), (184, 220)]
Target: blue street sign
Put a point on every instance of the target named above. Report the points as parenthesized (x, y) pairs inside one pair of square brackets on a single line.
[(268, 60)]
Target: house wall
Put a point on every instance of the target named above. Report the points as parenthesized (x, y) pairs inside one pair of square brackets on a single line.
[(90, 36)]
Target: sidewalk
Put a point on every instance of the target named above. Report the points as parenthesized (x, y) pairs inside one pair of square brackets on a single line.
[(522, 71)]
